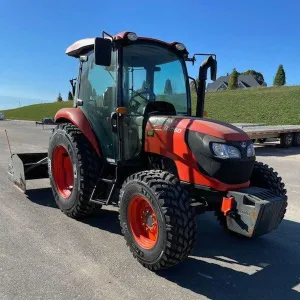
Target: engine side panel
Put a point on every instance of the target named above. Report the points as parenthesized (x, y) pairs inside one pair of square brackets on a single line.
[(166, 136), (77, 117)]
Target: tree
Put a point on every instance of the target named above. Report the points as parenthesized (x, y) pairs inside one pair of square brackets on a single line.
[(192, 84), (70, 96), (168, 87), (144, 85), (233, 80), (279, 79), (59, 98)]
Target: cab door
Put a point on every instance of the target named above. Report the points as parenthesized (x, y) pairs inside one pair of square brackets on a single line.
[(98, 95)]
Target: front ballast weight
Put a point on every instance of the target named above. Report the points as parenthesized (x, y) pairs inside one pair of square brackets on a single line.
[(253, 211), (27, 166)]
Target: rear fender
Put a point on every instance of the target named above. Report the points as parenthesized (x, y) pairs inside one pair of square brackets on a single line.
[(77, 117)]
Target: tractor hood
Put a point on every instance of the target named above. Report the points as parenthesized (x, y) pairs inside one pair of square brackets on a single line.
[(214, 128), (190, 143)]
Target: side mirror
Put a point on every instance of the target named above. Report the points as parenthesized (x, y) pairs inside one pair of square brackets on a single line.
[(102, 51), (213, 70)]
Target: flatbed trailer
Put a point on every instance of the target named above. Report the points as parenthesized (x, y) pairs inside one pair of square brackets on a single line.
[(289, 135)]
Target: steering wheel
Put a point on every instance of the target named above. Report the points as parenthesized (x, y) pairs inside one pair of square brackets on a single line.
[(134, 102)]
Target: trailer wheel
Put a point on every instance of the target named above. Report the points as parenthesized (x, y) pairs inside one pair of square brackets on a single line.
[(157, 219), (73, 168), (286, 140), (264, 177), (296, 140)]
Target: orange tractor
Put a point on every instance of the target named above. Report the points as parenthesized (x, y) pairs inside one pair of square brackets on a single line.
[(131, 140)]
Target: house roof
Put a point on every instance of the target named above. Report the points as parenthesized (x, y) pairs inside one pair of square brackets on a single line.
[(247, 80)]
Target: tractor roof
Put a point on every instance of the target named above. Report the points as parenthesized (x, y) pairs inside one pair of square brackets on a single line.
[(81, 46)]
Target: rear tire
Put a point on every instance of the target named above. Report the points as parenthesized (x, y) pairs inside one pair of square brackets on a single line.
[(73, 201), (286, 140), (264, 177), (168, 209)]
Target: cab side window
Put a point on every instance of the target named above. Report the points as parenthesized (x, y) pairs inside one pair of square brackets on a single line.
[(98, 91)]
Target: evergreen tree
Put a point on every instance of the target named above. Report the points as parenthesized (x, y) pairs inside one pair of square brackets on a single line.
[(59, 98), (144, 85), (168, 87), (70, 96), (279, 79), (233, 80)]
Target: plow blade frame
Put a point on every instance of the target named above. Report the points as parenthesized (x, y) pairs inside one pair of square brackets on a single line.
[(27, 166)]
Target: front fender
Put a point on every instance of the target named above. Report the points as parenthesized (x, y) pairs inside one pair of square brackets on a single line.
[(78, 118)]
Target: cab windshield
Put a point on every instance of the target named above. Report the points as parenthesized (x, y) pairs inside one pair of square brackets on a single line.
[(153, 73)]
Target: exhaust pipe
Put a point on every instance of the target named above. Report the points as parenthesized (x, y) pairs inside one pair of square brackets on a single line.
[(211, 63)]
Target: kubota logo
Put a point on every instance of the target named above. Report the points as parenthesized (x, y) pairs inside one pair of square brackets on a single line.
[(167, 128)]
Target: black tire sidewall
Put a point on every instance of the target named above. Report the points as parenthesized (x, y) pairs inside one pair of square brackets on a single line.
[(284, 140), (61, 138), (150, 256), (296, 140)]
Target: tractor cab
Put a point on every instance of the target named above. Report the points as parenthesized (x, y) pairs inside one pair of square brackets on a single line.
[(143, 76)]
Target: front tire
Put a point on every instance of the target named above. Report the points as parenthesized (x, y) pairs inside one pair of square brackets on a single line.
[(157, 219), (73, 169)]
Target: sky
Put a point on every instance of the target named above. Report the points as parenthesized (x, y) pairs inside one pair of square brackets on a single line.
[(256, 34)]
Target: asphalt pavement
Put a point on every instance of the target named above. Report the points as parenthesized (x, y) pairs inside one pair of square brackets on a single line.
[(46, 255)]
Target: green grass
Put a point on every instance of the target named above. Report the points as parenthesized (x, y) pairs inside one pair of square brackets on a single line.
[(274, 105), (37, 111)]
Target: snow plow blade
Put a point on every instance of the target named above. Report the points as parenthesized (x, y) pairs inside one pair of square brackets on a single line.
[(27, 166)]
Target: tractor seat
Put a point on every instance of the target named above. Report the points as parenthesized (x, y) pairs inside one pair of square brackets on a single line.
[(108, 98), (159, 108)]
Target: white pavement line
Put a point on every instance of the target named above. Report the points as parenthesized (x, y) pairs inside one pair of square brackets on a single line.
[(231, 264)]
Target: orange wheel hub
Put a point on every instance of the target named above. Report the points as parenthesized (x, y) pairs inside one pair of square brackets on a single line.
[(143, 222), (62, 171)]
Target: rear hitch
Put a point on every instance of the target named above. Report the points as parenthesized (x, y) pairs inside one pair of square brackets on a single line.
[(253, 211)]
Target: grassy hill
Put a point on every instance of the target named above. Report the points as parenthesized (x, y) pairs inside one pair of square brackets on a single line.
[(273, 105), (36, 112), (259, 105)]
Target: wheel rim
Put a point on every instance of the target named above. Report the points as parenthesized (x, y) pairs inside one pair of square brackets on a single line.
[(63, 171), (143, 222)]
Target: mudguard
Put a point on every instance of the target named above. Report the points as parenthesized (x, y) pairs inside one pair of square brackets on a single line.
[(76, 116)]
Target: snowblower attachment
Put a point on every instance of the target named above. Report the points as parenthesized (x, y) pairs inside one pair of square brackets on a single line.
[(27, 166)]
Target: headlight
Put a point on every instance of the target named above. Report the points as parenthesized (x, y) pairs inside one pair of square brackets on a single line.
[(250, 150), (225, 151)]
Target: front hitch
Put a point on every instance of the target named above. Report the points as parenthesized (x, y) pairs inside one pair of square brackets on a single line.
[(253, 211)]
